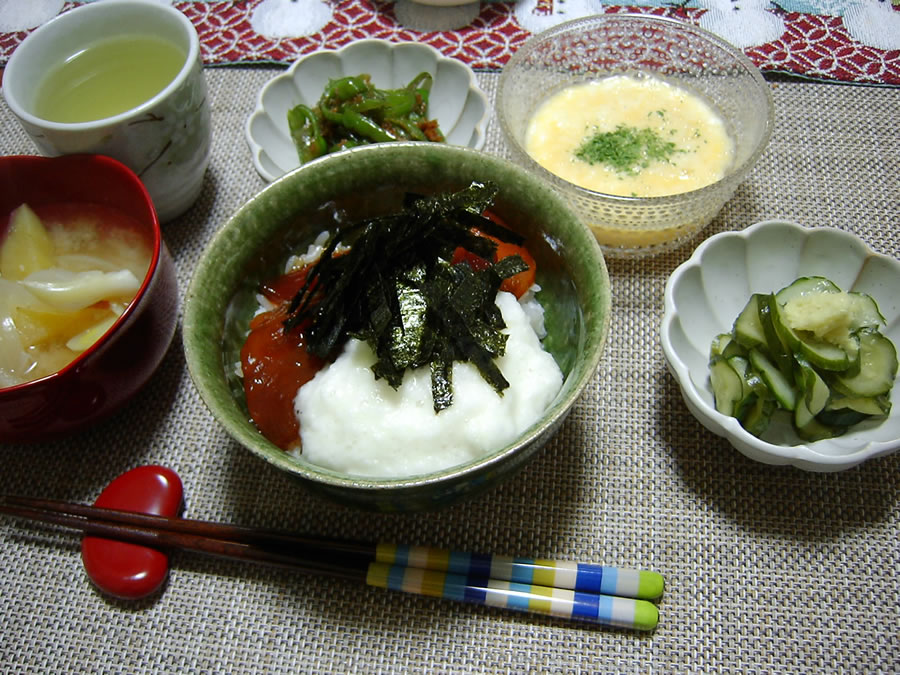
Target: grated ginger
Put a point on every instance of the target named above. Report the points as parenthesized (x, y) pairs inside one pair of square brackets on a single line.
[(828, 316)]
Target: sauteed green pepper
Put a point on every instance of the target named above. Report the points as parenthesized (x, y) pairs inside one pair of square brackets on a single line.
[(352, 111)]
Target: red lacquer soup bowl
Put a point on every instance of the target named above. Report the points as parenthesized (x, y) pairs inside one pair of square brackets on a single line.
[(108, 373)]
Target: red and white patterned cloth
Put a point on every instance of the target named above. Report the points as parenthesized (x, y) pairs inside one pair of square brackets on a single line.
[(841, 40)]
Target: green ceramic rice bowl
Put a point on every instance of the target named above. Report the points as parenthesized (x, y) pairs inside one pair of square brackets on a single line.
[(286, 216)]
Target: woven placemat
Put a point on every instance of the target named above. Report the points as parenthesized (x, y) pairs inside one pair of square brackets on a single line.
[(768, 569)]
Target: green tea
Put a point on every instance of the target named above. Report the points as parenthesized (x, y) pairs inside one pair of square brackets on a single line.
[(107, 78)]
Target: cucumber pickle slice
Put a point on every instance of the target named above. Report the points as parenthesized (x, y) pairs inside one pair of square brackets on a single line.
[(877, 367), (781, 387), (748, 330), (806, 286)]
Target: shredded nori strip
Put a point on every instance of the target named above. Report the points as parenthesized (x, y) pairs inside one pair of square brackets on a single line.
[(395, 288)]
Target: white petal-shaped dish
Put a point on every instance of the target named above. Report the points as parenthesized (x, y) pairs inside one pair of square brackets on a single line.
[(459, 105), (706, 293)]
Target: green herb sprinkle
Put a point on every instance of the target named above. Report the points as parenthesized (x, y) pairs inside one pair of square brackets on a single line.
[(626, 149)]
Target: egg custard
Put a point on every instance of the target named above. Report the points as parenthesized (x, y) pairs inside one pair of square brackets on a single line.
[(630, 136)]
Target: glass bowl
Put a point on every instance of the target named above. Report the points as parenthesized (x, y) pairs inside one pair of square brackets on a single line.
[(622, 44)]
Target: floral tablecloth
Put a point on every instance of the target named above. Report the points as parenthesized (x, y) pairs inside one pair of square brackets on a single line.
[(839, 40)]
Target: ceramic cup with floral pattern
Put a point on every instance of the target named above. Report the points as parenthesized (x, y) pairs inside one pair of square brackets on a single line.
[(164, 138)]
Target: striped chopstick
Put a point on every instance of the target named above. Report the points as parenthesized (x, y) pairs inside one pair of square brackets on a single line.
[(578, 591), (565, 603), (576, 576)]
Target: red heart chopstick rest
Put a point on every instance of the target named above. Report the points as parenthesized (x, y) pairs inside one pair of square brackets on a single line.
[(125, 570)]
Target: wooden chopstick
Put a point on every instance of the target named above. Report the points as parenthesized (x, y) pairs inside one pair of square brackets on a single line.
[(268, 542), (570, 590), (147, 535)]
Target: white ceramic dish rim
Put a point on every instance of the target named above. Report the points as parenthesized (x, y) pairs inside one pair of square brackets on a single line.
[(257, 149), (803, 455)]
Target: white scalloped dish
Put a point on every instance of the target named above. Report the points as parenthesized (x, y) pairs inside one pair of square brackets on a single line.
[(459, 106), (706, 293)]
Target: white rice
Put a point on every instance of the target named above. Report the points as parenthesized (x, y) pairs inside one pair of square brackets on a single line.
[(352, 423)]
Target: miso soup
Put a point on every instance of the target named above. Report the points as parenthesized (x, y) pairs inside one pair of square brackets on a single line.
[(67, 273)]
